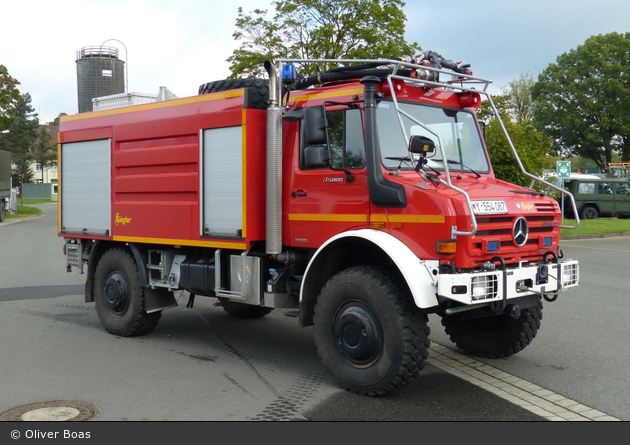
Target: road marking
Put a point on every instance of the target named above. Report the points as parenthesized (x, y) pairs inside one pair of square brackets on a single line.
[(529, 396)]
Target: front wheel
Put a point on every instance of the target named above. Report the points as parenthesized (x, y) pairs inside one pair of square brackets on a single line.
[(369, 335), (494, 336), (118, 297)]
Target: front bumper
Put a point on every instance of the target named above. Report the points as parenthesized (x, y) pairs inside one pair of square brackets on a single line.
[(512, 282)]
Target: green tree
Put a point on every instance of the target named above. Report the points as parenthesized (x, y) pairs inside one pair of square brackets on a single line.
[(519, 101), (583, 100), (319, 29), (20, 140), (532, 145), (9, 97), (44, 150)]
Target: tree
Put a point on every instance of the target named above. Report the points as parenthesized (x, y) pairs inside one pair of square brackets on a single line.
[(319, 29), (519, 99), (44, 150), (20, 140), (584, 99), (9, 97), (532, 145)]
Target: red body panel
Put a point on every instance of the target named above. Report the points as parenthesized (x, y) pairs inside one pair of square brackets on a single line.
[(156, 169)]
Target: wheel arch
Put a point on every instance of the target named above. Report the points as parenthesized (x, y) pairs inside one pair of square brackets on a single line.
[(366, 247), (590, 204)]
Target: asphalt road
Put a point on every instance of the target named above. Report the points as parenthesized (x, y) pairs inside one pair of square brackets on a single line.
[(201, 364)]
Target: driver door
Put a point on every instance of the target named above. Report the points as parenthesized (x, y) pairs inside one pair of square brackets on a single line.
[(327, 200)]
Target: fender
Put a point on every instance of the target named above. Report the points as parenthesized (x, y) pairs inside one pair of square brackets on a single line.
[(420, 275)]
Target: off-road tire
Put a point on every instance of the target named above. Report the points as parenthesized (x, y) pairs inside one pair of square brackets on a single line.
[(258, 89), (241, 310), (589, 213), (118, 297), (495, 336), (369, 334)]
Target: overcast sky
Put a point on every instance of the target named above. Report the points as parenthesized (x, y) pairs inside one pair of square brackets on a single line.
[(181, 44)]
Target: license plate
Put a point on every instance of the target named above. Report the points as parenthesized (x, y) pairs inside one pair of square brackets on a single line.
[(489, 207)]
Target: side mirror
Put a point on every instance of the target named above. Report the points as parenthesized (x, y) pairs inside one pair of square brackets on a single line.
[(421, 145), (315, 124), (316, 156)]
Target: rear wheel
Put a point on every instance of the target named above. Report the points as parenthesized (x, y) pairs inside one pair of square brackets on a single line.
[(118, 297), (494, 336), (589, 213), (369, 335)]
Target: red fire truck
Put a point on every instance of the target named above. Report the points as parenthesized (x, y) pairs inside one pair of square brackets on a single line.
[(364, 197)]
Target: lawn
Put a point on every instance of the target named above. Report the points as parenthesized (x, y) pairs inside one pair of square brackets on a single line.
[(597, 226), (25, 211)]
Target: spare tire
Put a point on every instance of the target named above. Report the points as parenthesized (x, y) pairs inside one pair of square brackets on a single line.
[(258, 90)]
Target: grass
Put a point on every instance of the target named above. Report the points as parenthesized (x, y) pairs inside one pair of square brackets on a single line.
[(25, 211), (598, 226)]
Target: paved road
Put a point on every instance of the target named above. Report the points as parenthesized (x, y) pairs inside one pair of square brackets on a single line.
[(202, 364)]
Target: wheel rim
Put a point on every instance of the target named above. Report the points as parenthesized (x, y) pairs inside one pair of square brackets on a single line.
[(117, 293), (358, 334)]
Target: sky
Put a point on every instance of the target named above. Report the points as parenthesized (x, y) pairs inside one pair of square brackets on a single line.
[(181, 44)]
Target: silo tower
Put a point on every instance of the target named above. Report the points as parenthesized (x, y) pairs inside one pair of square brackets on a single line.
[(99, 73)]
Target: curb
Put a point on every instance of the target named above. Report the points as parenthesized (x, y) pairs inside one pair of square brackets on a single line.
[(8, 221)]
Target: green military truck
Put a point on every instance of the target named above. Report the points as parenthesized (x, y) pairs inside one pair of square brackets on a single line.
[(5, 182), (595, 196)]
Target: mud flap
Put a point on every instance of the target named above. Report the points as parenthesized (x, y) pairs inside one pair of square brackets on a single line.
[(158, 299)]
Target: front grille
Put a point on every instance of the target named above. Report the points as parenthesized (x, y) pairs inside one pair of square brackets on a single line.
[(498, 228)]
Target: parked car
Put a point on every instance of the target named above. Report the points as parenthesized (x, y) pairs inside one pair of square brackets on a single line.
[(596, 196)]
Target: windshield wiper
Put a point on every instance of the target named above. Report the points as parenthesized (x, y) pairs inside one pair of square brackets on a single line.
[(453, 161)]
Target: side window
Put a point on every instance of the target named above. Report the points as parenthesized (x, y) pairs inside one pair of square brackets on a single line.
[(586, 188), (345, 140), (604, 188), (623, 188)]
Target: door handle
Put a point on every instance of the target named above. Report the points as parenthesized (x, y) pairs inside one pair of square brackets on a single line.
[(300, 193)]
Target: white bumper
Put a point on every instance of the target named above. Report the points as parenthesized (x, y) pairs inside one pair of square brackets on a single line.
[(490, 286)]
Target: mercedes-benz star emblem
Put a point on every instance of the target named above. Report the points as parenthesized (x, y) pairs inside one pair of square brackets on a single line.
[(520, 231)]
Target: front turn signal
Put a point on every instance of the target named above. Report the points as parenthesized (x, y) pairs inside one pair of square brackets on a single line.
[(446, 247)]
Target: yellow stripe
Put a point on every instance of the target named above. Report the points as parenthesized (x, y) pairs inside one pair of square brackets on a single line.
[(331, 218), (156, 105), (244, 173), (179, 242), (439, 219), (378, 218), (59, 182), (328, 95)]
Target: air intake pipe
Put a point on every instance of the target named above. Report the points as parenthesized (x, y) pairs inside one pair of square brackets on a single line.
[(273, 243)]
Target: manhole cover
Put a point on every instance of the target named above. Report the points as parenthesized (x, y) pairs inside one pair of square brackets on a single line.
[(58, 410)]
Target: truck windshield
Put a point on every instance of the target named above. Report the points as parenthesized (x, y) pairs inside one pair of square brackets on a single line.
[(455, 133)]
